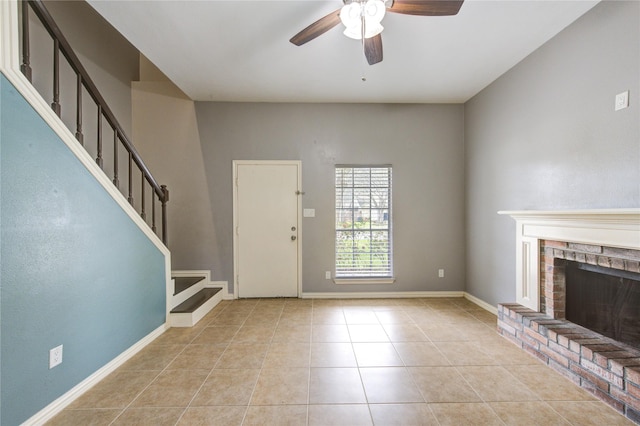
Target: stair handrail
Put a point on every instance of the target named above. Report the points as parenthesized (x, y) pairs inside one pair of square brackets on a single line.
[(61, 44)]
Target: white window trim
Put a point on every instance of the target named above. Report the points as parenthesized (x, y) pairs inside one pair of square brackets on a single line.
[(372, 280)]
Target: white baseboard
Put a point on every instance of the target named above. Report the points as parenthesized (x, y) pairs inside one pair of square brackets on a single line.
[(51, 410), (225, 289), (403, 294), (382, 295), (484, 305)]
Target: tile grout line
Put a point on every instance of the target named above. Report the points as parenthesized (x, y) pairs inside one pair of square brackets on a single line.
[(364, 390), (261, 368), (446, 316), (151, 382), (212, 368)]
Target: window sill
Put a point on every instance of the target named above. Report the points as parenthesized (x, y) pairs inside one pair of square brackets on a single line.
[(364, 280)]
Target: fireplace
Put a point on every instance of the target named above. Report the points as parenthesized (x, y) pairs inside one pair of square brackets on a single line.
[(578, 299), (597, 287), (604, 300)]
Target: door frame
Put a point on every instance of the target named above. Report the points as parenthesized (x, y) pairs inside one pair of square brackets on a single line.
[(234, 184)]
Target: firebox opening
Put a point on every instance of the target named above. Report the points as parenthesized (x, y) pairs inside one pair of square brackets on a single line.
[(604, 300)]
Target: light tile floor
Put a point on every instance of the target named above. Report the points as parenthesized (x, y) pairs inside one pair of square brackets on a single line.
[(337, 362)]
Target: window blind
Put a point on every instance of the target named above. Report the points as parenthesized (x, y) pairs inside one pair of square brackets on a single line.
[(363, 222)]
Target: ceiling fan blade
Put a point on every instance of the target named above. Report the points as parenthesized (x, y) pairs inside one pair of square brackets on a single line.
[(426, 7), (316, 29), (373, 49)]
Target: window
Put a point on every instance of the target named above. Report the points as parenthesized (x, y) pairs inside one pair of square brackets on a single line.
[(363, 222)]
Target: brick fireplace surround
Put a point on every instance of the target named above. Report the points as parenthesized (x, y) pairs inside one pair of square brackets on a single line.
[(608, 369)]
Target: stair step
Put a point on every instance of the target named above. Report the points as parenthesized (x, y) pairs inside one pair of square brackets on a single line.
[(194, 302), (183, 283)]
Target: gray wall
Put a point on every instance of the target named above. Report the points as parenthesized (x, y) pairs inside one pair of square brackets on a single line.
[(422, 142), (166, 134), (545, 136), (76, 270)]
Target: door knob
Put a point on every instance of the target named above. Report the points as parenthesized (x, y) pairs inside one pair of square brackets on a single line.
[(293, 238)]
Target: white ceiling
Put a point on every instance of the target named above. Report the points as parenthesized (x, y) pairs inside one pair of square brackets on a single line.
[(240, 51)]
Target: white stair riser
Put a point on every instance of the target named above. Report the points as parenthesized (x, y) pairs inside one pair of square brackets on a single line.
[(190, 319), (184, 295)]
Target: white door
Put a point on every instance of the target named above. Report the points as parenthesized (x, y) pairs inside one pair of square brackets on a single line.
[(267, 228)]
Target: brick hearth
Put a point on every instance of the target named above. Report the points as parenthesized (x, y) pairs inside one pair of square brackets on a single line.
[(545, 242), (607, 369)]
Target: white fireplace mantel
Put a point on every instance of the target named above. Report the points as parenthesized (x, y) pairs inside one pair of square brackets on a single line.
[(608, 227)]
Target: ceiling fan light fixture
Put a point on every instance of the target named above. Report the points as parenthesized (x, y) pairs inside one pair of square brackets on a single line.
[(353, 33), (362, 20), (350, 14), (374, 11), (372, 30), (354, 14)]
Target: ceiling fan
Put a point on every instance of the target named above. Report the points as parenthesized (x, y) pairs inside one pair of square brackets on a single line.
[(362, 20)]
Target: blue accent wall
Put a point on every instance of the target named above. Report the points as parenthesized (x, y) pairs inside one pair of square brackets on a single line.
[(75, 270)]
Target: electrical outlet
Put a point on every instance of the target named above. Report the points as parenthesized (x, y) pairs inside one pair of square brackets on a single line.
[(440, 273), (622, 100), (55, 356), (327, 275)]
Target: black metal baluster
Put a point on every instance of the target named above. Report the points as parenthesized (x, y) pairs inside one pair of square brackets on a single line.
[(116, 181), (36, 8), (25, 67), (56, 77), (153, 212), (99, 157), (130, 198), (165, 200), (143, 214), (79, 135)]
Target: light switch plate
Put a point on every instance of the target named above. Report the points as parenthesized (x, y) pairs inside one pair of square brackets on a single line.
[(622, 100), (309, 213)]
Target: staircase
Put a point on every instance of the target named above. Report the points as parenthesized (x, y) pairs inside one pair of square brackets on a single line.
[(105, 150), (193, 297)]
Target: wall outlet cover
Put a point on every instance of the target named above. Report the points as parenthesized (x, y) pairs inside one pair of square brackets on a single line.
[(55, 356)]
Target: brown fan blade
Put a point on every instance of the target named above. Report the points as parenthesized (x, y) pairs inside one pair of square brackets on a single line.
[(426, 7), (316, 29), (373, 49)]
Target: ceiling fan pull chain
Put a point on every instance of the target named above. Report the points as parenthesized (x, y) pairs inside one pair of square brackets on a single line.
[(363, 64), (364, 77)]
